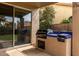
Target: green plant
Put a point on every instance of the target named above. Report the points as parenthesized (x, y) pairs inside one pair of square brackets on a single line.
[(70, 19), (46, 17), (67, 20)]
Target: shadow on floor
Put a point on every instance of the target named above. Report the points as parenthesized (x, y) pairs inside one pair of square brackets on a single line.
[(34, 52), (3, 52)]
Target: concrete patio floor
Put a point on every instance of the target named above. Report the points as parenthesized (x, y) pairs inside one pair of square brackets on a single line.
[(19, 52)]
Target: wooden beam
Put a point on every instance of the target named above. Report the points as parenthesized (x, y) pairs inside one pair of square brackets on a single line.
[(16, 6)]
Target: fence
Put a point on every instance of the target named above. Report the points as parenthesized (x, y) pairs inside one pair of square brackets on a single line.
[(62, 27)]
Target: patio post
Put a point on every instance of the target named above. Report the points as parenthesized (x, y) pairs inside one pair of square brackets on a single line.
[(35, 25), (75, 26)]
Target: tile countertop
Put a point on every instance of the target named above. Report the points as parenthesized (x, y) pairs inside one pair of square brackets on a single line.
[(57, 34)]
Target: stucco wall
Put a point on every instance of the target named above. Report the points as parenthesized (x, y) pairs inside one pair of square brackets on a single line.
[(61, 13)]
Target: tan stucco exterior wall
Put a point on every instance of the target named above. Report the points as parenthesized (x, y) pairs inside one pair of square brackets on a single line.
[(61, 13)]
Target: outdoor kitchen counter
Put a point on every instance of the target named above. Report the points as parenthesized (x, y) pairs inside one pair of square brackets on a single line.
[(57, 43), (58, 47)]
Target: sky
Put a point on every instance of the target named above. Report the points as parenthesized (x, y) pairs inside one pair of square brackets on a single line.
[(26, 18)]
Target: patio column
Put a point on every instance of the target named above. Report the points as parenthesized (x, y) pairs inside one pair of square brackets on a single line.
[(75, 40), (35, 25)]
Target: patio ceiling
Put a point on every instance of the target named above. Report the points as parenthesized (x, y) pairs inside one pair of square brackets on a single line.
[(31, 5), (64, 4), (8, 11), (6, 8), (26, 5)]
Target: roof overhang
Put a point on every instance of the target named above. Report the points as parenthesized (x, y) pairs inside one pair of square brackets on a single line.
[(64, 4), (26, 7), (22, 8), (30, 5)]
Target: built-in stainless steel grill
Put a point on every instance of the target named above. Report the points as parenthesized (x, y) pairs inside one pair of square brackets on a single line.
[(41, 34)]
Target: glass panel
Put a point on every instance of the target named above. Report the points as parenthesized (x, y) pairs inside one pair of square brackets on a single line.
[(22, 27), (6, 26)]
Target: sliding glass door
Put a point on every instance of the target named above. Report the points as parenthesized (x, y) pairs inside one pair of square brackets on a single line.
[(22, 26), (15, 26), (6, 26)]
